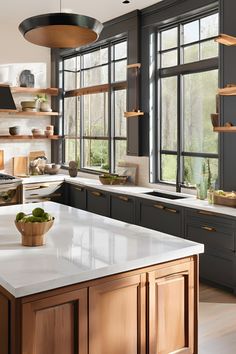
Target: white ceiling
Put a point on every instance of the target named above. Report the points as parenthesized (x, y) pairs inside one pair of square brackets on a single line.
[(15, 11)]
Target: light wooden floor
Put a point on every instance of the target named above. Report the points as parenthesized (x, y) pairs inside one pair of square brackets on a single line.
[(217, 321)]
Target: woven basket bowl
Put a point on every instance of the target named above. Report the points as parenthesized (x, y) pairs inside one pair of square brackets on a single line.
[(33, 233)]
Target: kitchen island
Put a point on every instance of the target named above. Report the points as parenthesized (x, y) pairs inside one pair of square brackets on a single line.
[(98, 286)]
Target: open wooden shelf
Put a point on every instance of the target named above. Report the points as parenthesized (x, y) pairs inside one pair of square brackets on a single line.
[(228, 91), (133, 66), (133, 114), (21, 113), (29, 137), (226, 39), (224, 129), (34, 90)]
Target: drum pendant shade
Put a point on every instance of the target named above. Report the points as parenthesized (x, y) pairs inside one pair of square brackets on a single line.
[(61, 30)]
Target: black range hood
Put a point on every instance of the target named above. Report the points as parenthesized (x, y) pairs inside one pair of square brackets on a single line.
[(6, 100)]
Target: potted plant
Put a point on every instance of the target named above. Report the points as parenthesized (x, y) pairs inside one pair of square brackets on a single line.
[(43, 103)]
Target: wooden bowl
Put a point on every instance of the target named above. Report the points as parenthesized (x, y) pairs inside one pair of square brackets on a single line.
[(52, 169), (109, 179), (33, 233)]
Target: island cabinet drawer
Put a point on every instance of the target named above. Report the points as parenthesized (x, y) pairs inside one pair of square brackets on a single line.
[(123, 208), (77, 196), (161, 217), (98, 202)]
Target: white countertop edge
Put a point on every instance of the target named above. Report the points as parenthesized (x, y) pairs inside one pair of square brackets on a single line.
[(136, 191), (102, 272)]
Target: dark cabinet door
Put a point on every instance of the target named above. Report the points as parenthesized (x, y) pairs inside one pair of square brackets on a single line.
[(98, 202), (217, 233), (123, 208), (77, 196), (160, 216)]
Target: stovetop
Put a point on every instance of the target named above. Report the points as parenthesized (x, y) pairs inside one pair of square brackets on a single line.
[(5, 178)]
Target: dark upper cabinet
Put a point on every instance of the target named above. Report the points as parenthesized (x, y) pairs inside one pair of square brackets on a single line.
[(122, 208), (160, 216), (98, 202), (76, 196)]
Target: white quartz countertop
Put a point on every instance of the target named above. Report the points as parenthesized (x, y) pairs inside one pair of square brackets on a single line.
[(80, 246), (132, 190)]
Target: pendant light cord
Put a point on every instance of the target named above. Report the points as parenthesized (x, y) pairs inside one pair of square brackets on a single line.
[(60, 6)]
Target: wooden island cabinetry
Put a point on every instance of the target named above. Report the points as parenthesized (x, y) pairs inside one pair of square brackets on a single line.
[(152, 310)]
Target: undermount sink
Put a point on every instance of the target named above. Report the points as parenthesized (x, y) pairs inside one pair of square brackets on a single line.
[(165, 195)]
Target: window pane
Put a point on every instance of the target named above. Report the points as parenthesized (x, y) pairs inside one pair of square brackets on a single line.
[(193, 170), (96, 76), (168, 168), (70, 64), (169, 38), (96, 155), (95, 58), (120, 50), (209, 49), (70, 116), (121, 71), (199, 102), (78, 152), (96, 114), (191, 32), (169, 59), (120, 107), (209, 26), (120, 151), (70, 80), (70, 150), (191, 53), (169, 113)]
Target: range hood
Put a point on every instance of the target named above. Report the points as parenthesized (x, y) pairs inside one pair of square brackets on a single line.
[(6, 100)]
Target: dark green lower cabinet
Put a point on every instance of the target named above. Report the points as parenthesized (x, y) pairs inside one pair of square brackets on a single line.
[(98, 202), (76, 196), (217, 233), (123, 208), (160, 216)]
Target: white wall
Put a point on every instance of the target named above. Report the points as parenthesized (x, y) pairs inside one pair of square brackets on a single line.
[(15, 49)]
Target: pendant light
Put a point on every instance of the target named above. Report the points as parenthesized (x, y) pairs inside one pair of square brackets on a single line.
[(61, 30)]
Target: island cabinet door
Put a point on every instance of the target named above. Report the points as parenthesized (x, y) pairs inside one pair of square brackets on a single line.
[(56, 325), (117, 317), (172, 310)]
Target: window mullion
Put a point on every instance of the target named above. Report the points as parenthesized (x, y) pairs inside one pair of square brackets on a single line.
[(81, 115)]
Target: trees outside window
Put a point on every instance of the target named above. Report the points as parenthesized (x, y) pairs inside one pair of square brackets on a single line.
[(187, 86)]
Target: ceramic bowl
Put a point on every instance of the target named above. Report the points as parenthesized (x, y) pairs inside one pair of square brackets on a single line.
[(52, 169), (14, 130), (28, 104)]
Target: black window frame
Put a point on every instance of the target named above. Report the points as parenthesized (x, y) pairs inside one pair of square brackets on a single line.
[(179, 70), (113, 86)]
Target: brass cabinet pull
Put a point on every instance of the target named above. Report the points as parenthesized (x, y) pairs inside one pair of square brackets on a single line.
[(208, 228), (79, 189), (172, 210), (159, 206), (97, 194), (202, 212), (122, 197)]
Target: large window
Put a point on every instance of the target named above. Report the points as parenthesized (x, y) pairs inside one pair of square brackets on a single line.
[(95, 100), (187, 86)]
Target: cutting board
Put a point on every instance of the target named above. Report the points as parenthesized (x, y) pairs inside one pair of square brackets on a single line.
[(1, 159), (34, 154), (20, 166)]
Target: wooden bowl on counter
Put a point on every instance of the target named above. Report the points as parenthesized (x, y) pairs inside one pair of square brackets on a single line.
[(112, 179), (33, 233)]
